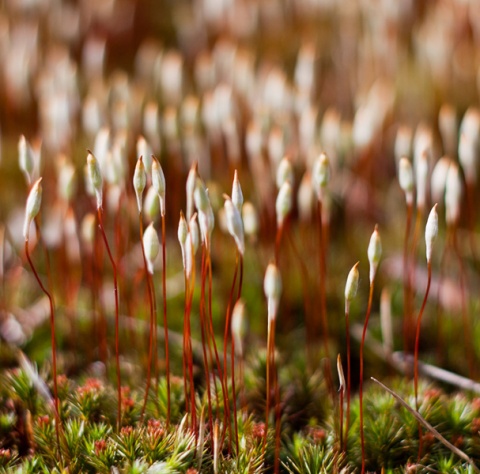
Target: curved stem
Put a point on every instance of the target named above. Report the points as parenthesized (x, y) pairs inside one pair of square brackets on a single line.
[(417, 334), (415, 357), (54, 350), (117, 335)]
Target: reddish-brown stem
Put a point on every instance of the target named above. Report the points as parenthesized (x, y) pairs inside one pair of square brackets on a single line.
[(54, 348), (151, 340), (204, 342), (234, 394), (165, 322), (276, 464), (417, 333), (190, 355), (269, 375), (185, 346), (411, 273), (360, 390), (117, 335), (232, 362), (278, 242), (415, 357), (406, 281), (226, 402), (349, 379), (225, 345)]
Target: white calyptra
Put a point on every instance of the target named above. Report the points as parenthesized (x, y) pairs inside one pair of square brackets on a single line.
[(320, 174), (145, 150), (32, 208), (272, 286), (194, 233), (431, 232), (66, 181), (237, 194), (453, 195), (403, 142), (421, 179), (151, 206), (239, 326), (25, 158), (374, 253), (283, 204), (351, 285), (284, 172), (151, 246), (405, 178), (200, 196), (188, 265), (341, 376), (250, 220), (234, 224), (158, 183), (139, 181), (190, 188), (95, 178), (182, 234), (439, 178), (305, 198), (468, 156)]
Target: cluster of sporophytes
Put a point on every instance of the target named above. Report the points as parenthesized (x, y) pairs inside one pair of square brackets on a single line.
[(179, 295)]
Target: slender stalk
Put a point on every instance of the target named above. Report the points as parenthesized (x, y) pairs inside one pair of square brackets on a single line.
[(411, 276), (117, 335), (226, 402), (270, 342), (54, 348), (152, 341), (276, 464), (406, 281), (185, 346), (349, 372), (225, 346), (343, 447), (415, 357), (204, 341), (417, 333), (165, 322), (360, 390), (190, 356)]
